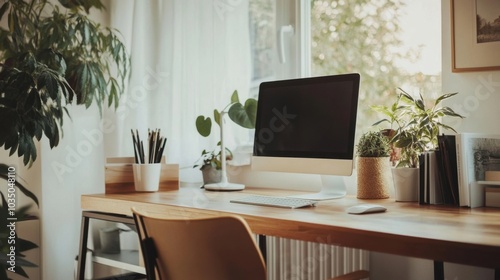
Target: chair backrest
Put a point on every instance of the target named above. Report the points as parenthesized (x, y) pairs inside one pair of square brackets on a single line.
[(215, 248)]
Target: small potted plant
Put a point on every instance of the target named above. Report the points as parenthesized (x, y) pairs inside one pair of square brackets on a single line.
[(210, 164), (414, 129), (242, 114), (373, 168)]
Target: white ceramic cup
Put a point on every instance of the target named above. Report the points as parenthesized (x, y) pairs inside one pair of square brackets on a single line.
[(147, 177)]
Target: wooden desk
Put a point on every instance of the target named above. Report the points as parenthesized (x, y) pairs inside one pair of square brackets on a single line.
[(442, 233)]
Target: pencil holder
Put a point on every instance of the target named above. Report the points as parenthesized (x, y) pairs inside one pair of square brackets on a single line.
[(146, 176)]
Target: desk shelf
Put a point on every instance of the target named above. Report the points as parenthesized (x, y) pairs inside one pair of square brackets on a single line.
[(126, 259)]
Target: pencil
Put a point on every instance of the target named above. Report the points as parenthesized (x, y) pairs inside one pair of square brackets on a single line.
[(135, 146), (160, 153)]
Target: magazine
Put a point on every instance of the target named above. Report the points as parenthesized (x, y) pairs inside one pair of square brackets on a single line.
[(476, 153)]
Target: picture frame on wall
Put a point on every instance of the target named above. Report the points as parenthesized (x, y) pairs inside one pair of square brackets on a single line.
[(475, 32)]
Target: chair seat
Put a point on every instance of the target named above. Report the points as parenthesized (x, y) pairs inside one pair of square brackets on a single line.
[(214, 248)]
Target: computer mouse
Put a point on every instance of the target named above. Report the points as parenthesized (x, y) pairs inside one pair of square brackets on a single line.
[(366, 208)]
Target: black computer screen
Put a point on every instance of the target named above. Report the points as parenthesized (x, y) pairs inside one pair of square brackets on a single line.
[(307, 118)]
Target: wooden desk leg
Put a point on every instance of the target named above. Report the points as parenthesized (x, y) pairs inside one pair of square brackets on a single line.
[(82, 255), (438, 270), (263, 246)]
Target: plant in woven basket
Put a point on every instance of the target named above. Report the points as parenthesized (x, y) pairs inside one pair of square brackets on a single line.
[(373, 144), (373, 168)]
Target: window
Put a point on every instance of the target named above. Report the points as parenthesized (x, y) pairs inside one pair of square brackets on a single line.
[(390, 43)]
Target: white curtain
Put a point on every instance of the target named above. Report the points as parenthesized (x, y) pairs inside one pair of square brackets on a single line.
[(188, 56)]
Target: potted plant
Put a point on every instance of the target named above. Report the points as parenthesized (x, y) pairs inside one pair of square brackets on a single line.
[(210, 164), (242, 114), (415, 128), (50, 55), (373, 168)]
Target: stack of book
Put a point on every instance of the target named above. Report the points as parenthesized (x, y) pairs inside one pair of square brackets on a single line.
[(452, 174)]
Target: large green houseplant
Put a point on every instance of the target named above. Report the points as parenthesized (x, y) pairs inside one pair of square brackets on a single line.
[(51, 54), (414, 128), (242, 114)]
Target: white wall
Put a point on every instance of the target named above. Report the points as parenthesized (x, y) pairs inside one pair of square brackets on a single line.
[(74, 168), (478, 100)]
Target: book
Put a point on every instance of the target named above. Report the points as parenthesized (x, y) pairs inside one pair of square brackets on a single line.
[(444, 193), (435, 192), (447, 146), (430, 190), (476, 154), (422, 179)]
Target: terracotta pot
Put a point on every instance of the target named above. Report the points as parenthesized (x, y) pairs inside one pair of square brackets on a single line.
[(374, 177)]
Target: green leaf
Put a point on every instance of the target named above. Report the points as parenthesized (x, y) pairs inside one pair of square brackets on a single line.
[(3, 9), (406, 96), (113, 94), (447, 111), (217, 117), (25, 245), (234, 97), (381, 121), (447, 127), (203, 125), (444, 96), (420, 104), (244, 115)]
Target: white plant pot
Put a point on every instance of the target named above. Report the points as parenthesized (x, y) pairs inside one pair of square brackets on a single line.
[(406, 183), (210, 174)]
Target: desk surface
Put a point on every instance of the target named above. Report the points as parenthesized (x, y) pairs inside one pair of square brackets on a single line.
[(450, 234)]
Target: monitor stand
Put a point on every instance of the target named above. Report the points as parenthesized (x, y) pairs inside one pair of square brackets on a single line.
[(333, 187)]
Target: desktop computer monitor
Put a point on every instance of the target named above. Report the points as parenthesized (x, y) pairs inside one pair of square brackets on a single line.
[(308, 126)]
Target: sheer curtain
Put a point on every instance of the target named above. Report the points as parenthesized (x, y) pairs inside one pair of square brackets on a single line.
[(188, 56)]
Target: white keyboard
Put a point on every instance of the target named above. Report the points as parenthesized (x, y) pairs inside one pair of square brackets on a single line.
[(275, 201)]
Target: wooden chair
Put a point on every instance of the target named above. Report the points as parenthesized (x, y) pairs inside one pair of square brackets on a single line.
[(215, 248)]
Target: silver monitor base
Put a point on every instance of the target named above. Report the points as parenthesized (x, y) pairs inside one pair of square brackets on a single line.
[(333, 187)]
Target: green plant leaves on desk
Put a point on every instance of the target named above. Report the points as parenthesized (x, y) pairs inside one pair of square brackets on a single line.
[(241, 114), (204, 125), (244, 115), (415, 127)]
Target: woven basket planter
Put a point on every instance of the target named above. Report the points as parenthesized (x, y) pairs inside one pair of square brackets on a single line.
[(374, 177)]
